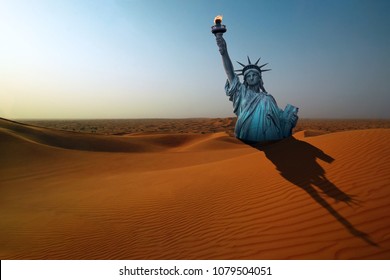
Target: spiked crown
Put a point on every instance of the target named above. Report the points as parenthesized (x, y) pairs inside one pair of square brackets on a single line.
[(251, 66)]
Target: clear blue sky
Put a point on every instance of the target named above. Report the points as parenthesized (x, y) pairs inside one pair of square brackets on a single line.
[(158, 59)]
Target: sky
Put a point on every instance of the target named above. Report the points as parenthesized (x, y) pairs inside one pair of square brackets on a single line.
[(100, 59)]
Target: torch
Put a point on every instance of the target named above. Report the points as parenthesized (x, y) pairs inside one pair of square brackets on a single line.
[(218, 28)]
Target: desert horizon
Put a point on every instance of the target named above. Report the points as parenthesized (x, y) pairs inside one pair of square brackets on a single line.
[(196, 125), (188, 189)]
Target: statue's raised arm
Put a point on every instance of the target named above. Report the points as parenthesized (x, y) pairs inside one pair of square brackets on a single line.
[(227, 63), (218, 29)]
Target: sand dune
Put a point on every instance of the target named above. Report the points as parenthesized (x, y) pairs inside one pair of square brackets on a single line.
[(69, 195)]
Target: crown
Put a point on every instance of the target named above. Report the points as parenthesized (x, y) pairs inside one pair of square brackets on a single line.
[(251, 66)]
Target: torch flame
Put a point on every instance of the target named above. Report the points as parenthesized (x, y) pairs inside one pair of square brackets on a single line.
[(218, 18)]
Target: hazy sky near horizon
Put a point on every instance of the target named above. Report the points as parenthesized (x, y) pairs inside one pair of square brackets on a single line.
[(158, 59)]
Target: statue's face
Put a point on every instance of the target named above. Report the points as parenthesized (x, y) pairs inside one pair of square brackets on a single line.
[(252, 78)]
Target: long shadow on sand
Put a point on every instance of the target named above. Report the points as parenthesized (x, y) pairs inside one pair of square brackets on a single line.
[(296, 162)]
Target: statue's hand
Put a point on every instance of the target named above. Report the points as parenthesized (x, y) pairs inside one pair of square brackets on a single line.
[(221, 44)]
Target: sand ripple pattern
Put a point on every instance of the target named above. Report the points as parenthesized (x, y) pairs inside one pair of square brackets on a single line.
[(68, 195)]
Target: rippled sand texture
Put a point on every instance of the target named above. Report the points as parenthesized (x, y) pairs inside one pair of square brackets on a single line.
[(71, 195)]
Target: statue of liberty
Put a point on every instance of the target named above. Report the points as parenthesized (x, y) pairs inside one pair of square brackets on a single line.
[(259, 119)]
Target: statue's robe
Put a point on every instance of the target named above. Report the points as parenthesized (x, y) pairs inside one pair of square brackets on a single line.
[(259, 119)]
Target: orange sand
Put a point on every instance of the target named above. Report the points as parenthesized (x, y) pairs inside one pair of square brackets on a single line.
[(70, 195)]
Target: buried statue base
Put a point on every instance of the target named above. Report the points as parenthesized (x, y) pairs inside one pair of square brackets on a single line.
[(259, 119)]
